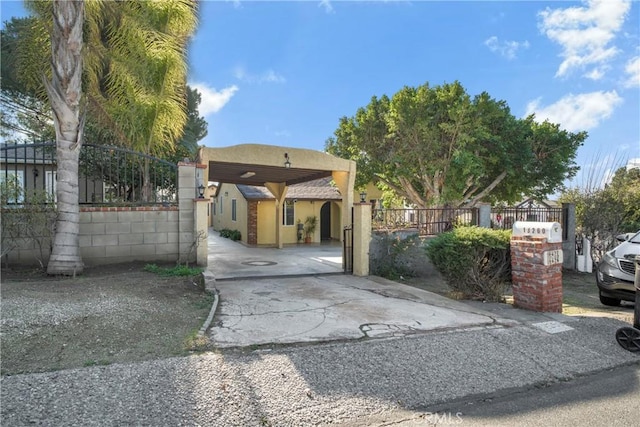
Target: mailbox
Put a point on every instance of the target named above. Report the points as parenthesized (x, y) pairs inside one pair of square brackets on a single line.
[(550, 230)]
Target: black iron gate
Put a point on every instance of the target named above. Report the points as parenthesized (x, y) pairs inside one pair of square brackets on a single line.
[(347, 249)]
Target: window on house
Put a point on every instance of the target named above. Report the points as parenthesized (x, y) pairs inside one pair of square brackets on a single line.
[(221, 205), (287, 212), (13, 184), (214, 203), (233, 209)]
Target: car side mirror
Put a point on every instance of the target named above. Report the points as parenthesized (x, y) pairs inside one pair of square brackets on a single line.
[(623, 237)]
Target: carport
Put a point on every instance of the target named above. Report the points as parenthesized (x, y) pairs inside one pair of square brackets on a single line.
[(276, 168)]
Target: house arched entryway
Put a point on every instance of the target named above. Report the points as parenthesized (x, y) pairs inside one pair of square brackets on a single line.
[(325, 221)]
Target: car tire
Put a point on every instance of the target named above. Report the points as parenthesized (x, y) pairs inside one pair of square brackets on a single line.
[(611, 302)]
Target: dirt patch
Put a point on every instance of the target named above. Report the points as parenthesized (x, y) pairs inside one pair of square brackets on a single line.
[(117, 313), (581, 298), (580, 295)]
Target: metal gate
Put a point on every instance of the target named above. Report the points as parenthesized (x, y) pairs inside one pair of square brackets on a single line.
[(347, 249)]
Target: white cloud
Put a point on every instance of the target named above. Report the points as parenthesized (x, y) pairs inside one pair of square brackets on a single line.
[(213, 100), (577, 112), (268, 76), (507, 49), (584, 33), (632, 69), (326, 4)]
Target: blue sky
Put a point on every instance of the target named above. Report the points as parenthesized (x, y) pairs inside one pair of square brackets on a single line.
[(283, 73)]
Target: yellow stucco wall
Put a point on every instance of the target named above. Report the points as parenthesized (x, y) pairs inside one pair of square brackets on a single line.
[(336, 211), (223, 220), (302, 209), (373, 192)]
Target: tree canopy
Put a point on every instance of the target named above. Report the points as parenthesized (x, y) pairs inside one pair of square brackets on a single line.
[(134, 75), (436, 145)]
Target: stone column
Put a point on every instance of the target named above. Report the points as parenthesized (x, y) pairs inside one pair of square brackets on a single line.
[(361, 238), (186, 210), (484, 215), (345, 182), (201, 231), (536, 273)]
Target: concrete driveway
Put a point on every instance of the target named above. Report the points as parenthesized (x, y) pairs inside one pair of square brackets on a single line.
[(331, 307), (299, 294), (233, 260)]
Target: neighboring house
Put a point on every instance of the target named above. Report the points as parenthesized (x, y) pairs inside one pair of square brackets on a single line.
[(538, 204), (32, 166), (252, 211), (35, 169)]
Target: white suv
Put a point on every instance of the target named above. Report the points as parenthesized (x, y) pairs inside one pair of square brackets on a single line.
[(615, 274)]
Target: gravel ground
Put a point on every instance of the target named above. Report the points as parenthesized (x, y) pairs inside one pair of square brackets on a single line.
[(342, 383), (112, 314)]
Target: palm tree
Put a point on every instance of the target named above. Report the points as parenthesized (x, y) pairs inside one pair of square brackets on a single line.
[(65, 95), (146, 83), (135, 81)]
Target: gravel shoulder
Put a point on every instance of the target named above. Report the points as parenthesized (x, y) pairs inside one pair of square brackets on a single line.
[(110, 314)]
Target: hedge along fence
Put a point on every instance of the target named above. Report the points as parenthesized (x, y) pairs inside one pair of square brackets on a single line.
[(474, 261)]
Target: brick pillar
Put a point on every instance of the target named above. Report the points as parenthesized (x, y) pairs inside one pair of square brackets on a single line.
[(252, 223), (536, 273)]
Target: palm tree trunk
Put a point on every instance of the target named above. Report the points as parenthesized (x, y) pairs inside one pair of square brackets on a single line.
[(65, 93)]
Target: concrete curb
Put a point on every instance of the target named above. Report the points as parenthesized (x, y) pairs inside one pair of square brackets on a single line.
[(209, 286)]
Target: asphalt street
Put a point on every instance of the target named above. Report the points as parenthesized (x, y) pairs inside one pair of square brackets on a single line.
[(370, 381)]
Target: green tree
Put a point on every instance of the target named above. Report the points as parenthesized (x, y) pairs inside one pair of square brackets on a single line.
[(194, 130), (625, 189), (437, 145), (25, 116)]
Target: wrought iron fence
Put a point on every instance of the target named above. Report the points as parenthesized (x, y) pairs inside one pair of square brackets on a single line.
[(504, 217), (427, 222), (106, 176)]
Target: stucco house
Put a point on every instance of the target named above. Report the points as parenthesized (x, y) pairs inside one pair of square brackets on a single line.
[(252, 211)]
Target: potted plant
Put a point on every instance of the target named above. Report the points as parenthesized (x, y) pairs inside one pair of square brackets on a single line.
[(310, 225)]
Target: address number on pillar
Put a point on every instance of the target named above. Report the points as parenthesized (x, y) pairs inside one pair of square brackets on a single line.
[(552, 257)]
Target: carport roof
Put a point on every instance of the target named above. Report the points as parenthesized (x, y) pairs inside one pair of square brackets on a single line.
[(257, 164), (251, 174)]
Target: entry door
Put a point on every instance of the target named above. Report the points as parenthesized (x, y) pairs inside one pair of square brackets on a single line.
[(325, 221)]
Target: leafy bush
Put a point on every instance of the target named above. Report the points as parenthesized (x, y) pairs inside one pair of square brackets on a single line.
[(27, 217), (395, 256), (474, 261), (230, 234)]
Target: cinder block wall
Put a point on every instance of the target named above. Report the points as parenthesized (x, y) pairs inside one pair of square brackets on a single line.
[(109, 235)]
